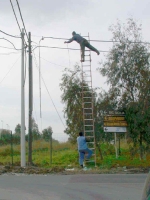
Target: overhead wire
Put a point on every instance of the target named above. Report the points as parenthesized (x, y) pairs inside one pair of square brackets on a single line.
[(15, 15), (9, 70), (63, 48), (10, 43), (22, 18), (109, 41), (50, 62), (9, 34), (17, 19), (9, 53), (6, 47), (49, 93), (68, 55), (39, 87)]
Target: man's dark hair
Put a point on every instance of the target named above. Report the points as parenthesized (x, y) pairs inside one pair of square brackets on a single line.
[(80, 133)]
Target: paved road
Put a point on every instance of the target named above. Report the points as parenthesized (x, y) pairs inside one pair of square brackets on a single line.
[(72, 187)]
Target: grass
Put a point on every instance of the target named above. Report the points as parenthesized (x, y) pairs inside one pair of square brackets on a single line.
[(64, 154)]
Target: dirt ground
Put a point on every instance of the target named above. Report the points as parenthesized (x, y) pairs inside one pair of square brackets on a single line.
[(69, 170)]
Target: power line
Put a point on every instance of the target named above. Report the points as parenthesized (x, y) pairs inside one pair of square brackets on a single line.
[(9, 53), (22, 19), (109, 41), (10, 43), (49, 93), (9, 70), (15, 15), (10, 34), (6, 47), (63, 48), (51, 62)]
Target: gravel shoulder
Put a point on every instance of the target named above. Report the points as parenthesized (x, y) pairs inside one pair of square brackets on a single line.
[(69, 170)]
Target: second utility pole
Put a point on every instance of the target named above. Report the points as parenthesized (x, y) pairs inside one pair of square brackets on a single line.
[(30, 104)]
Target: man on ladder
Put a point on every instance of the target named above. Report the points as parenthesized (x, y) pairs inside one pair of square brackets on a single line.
[(83, 43), (83, 149)]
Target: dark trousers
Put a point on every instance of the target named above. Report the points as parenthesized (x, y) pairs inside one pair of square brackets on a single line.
[(82, 155), (84, 44)]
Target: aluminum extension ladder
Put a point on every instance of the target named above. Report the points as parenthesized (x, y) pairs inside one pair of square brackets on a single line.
[(87, 104)]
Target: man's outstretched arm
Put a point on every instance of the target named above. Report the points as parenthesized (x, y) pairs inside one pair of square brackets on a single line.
[(69, 41)]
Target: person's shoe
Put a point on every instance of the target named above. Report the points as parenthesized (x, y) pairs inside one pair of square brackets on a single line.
[(82, 60), (81, 166)]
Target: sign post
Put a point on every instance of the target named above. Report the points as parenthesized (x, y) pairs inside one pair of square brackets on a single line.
[(115, 122)]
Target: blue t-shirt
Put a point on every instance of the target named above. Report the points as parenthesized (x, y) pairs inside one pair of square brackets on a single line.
[(81, 143)]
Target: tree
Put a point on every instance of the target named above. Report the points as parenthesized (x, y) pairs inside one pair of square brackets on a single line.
[(46, 133), (35, 130), (127, 65), (71, 86), (105, 102), (18, 130), (128, 72)]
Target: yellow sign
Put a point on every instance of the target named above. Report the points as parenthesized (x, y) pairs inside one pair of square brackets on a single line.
[(114, 118), (115, 123)]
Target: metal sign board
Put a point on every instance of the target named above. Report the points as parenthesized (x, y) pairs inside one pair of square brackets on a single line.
[(115, 123), (114, 112), (115, 129), (114, 118)]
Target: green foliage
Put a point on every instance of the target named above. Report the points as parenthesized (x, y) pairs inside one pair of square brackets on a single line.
[(71, 86), (65, 154), (47, 133), (127, 70), (18, 130)]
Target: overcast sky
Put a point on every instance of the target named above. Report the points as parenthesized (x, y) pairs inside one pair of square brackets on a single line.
[(56, 19)]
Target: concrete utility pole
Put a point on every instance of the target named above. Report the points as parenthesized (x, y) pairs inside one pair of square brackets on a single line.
[(23, 154), (30, 103)]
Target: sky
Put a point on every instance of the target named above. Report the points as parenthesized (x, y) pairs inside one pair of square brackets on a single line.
[(44, 18)]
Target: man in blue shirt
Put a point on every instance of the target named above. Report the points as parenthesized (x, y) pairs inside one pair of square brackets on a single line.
[(83, 149), (83, 43)]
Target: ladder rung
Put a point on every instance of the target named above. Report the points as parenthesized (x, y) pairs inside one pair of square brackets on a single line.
[(88, 119), (88, 125), (88, 108), (86, 65)]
